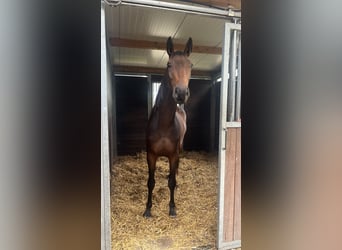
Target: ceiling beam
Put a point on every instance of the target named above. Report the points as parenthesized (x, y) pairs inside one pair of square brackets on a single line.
[(141, 44), (157, 71), (173, 6), (223, 4)]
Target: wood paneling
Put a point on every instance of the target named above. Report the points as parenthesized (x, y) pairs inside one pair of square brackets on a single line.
[(237, 212), (232, 200), (229, 193)]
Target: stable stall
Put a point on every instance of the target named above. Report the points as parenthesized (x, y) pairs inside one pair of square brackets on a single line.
[(207, 198)]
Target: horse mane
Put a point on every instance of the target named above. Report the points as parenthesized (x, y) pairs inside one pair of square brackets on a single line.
[(164, 85)]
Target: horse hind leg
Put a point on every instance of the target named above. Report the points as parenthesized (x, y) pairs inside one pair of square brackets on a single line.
[(151, 161), (172, 184)]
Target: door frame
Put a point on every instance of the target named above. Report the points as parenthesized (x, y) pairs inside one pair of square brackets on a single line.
[(224, 126), (105, 139)]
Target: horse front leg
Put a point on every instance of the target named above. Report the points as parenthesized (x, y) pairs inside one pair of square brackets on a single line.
[(151, 161), (174, 161)]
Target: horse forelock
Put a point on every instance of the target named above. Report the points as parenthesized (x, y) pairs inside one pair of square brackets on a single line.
[(178, 53)]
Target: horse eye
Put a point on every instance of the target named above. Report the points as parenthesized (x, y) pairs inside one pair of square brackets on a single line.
[(191, 65), (169, 65)]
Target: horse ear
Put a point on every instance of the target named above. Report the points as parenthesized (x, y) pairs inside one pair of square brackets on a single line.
[(169, 46), (188, 47)]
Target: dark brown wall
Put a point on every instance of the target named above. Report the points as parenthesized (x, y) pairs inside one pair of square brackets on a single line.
[(132, 114), (198, 116), (131, 108)]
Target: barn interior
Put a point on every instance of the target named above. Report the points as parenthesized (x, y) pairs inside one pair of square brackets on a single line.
[(136, 39)]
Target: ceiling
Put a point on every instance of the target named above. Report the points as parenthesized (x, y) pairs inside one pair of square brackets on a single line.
[(137, 37)]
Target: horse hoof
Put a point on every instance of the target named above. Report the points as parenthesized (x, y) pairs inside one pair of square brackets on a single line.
[(147, 214), (172, 212)]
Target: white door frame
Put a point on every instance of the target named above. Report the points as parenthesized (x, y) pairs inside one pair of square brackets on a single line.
[(105, 154), (229, 27)]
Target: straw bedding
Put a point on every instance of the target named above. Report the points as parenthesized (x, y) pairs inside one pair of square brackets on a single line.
[(195, 226)]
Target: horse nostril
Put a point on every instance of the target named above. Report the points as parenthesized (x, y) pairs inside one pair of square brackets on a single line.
[(177, 90), (187, 92)]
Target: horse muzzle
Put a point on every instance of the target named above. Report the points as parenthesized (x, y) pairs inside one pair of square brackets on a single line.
[(181, 95)]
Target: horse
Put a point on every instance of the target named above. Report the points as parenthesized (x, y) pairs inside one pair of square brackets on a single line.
[(166, 126)]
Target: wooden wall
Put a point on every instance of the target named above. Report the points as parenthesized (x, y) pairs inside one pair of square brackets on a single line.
[(232, 191)]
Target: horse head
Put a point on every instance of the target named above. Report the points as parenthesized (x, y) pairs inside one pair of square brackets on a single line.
[(179, 71)]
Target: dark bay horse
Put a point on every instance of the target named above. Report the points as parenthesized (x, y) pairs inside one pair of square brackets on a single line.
[(167, 123)]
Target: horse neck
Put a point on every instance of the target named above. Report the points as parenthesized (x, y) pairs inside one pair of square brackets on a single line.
[(165, 104)]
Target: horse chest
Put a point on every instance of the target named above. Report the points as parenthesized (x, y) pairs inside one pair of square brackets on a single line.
[(164, 142)]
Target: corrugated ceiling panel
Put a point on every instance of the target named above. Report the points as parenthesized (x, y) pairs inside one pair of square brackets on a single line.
[(195, 58), (203, 30), (156, 25), (208, 62), (148, 24), (113, 20)]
